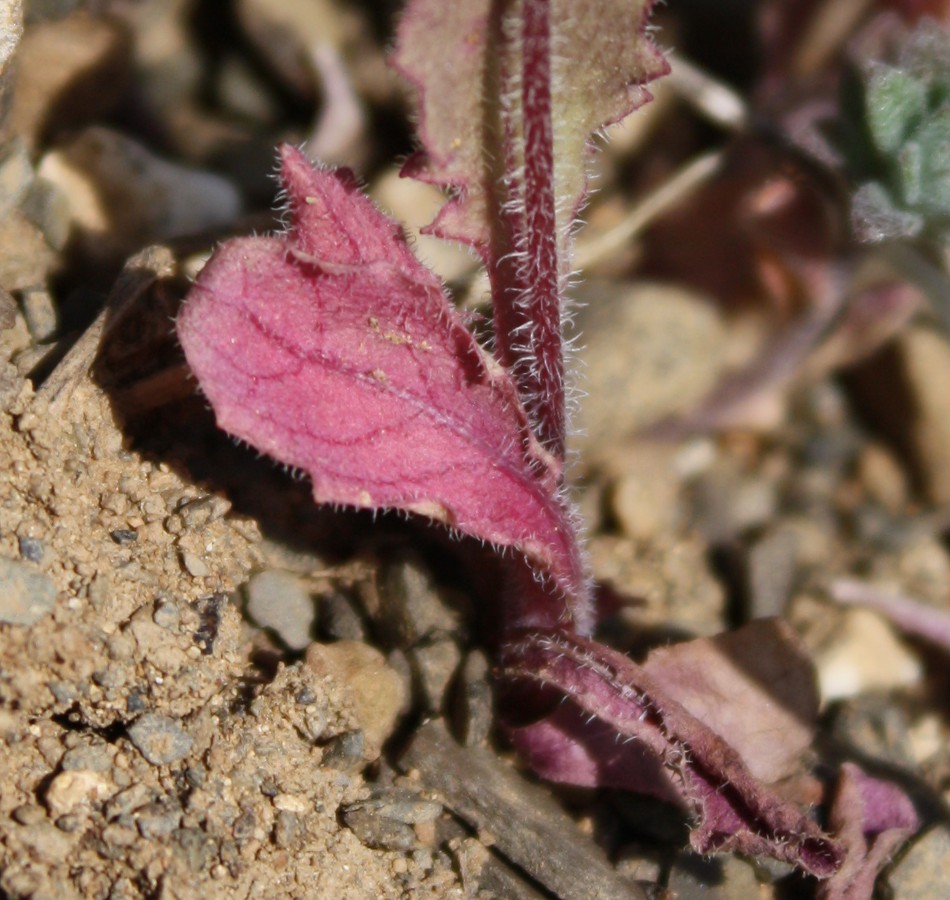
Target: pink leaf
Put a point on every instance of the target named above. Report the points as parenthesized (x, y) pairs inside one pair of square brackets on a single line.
[(333, 350)]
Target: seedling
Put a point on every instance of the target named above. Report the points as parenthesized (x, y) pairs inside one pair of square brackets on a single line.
[(332, 349)]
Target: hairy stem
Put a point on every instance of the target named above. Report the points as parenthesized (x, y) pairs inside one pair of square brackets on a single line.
[(526, 289)]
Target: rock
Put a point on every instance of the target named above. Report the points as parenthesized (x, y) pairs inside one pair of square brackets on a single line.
[(406, 606), (384, 819), (156, 820), (346, 751), (379, 832), (91, 757), (71, 789), (160, 739), (863, 655), (434, 665), (472, 708), (649, 351), (280, 601), (25, 594), (25, 257), (883, 478), (728, 501), (873, 726), (924, 870), (194, 565), (376, 691), (31, 549), (339, 620), (40, 313)]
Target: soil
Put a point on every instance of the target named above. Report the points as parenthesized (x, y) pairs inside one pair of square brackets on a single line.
[(168, 733)]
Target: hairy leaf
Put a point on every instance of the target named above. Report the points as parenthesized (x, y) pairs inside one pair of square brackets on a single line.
[(333, 350), (471, 119), (623, 727)]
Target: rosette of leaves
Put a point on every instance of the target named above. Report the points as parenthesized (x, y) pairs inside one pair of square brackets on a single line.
[(896, 139)]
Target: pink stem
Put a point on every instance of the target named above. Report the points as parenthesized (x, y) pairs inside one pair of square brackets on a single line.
[(526, 286)]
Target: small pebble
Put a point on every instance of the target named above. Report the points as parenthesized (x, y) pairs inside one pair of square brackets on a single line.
[(167, 615), (287, 829), (315, 721), (339, 620), (696, 878), (379, 832), (160, 739), (25, 594), (472, 710), (645, 496), (31, 549), (70, 789), (772, 567), (864, 655), (156, 820), (28, 814), (93, 757), (345, 751), (194, 565), (409, 605), (434, 665), (124, 536), (280, 601), (377, 692), (39, 310)]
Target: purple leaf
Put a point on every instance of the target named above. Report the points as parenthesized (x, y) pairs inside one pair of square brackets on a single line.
[(871, 818), (623, 728), (333, 350)]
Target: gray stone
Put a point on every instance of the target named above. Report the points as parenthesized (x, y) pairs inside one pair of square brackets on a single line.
[(339, 620), (379, 832), (25, 594), (472, 714), (167, 614), (409, 607), (345, 751), (159, 739), (92, 757), (399, 805), (31, 549), (280, 601), (434, 665), (156, 820)]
